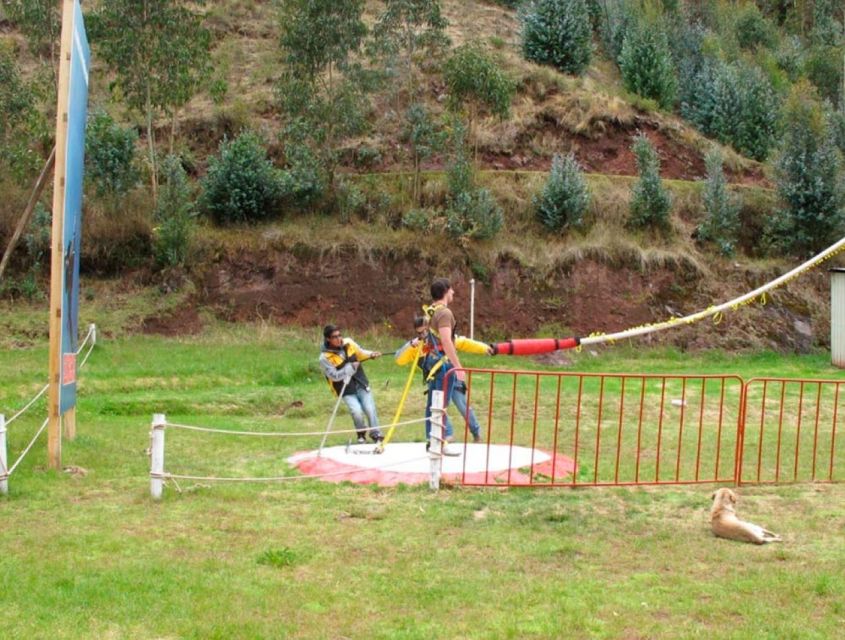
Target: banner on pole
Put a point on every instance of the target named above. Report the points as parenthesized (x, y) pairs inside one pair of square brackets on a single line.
[(77, 101)]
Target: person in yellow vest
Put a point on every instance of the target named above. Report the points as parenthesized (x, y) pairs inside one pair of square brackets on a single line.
[(430, 362), (341, 362)]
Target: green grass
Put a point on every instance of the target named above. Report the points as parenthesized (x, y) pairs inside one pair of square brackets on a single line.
[(91, 555)]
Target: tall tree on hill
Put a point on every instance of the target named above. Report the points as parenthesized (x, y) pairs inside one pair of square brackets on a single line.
[(320, 92), (158, 50), (808, 179), (475, 83), (404, 30)]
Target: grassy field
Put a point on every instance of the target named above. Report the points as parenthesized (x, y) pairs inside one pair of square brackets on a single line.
[(87, 554)]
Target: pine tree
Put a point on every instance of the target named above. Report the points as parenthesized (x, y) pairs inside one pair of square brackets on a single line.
[(646, 62), (557, 33), (565, 196), (650, 203), (808, 170), (721, 223)]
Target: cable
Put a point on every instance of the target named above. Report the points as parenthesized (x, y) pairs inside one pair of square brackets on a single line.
[(275, 434)]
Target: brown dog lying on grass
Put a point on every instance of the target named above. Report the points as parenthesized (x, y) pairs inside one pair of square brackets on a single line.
[(725, 524)]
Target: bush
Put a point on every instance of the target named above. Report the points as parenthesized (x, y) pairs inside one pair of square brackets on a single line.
[(808, 179), (471, 212), (174, 215), (417, 220), (557, 33), (721, 223), (565, 196), (241, 185), (823, 67), (110, 156), (646, 62), (746, 110), (472, 76), (304, 180), (752, 29), (650, 203)]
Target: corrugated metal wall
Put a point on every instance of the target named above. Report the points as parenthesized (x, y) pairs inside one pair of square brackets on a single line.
[(837, 317)]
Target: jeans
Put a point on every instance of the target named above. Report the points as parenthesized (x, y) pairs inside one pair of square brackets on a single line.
[(459, 398), (360, 403)]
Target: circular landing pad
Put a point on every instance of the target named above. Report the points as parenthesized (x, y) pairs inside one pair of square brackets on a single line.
[(408, 462)]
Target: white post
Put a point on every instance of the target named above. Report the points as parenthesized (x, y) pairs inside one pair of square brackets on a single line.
[(4, 477), (157, 456), (93, 329), (472, 309), (435, 444)]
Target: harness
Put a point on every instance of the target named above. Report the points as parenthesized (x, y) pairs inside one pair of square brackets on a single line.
[(433, 344)]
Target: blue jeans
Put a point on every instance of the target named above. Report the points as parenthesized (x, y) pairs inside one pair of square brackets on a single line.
[(459, 398), (362, 403)]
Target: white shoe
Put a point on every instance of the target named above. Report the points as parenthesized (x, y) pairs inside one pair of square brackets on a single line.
[(450, 450)]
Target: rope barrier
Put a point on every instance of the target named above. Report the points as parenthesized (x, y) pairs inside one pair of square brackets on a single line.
[(28, 447), (732, 305), (166, 476), (276, 434), (91, 332)]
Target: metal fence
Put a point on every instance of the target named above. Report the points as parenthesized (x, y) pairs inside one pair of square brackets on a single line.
[(616, 429)]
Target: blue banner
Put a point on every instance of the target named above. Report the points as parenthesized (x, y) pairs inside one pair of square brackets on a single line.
[(80, 58)]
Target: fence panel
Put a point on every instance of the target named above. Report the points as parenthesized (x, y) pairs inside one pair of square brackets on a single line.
[(792, 431), (615, 429)]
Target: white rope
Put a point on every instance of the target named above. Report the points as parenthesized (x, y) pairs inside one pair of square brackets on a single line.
[(86, 339), (47, 386), (28, 447), (175, 476), (280, 434), (712, 311), (29, 404)]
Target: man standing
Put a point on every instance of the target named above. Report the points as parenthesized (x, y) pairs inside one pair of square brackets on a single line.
[(428, 363), (442, 338), (340, 361)]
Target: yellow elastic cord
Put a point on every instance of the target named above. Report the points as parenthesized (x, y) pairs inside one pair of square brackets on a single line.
[(398, 413), (443, 360)]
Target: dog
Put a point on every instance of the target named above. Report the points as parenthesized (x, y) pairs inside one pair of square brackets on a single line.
[(725, 524)]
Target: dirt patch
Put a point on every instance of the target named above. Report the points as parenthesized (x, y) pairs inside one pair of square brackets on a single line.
[(580, 299), (183, 321)]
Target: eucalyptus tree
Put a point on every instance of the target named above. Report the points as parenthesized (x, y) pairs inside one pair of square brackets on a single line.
[(321, 91), (158, 50)]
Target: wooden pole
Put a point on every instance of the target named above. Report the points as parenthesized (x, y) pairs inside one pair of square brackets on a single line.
[(157, 456), (27, 213), (54, 432)]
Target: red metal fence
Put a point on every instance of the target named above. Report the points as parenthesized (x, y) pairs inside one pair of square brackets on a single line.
[(613, 429)]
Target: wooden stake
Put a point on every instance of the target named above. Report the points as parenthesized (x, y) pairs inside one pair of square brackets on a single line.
[(54, 427), (27, 213)]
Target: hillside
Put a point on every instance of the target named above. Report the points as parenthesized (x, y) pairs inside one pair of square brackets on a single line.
[(353, 258)]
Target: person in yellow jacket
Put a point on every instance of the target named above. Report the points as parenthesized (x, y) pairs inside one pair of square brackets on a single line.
[(432, 364), (341, 362)]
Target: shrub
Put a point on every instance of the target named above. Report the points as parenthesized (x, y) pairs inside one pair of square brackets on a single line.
[(557, 33), (823, 67), (646, 62), (473, 77), (303, 182), (752, 29), (471, 212), (565, 196), (241, 185), (721, 223), (110, 156), (746, 110), (173, 214), (808, 173), (650, 203), (417, 219)]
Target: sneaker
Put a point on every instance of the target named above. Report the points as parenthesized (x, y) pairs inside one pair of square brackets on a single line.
[(477, 439), (450, 450), (362, 440)]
